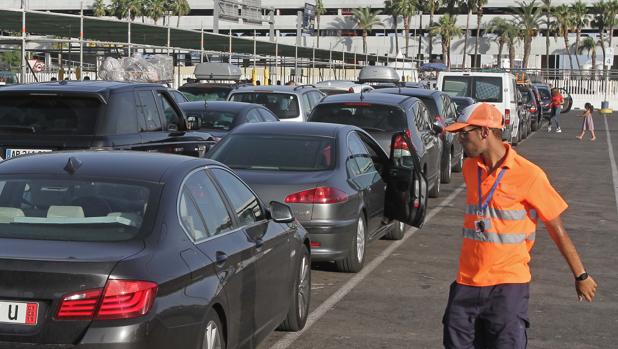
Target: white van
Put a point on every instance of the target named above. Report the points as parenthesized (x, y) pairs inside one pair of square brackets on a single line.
[(499, 89)]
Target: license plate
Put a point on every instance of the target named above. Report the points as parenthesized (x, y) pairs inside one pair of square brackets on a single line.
[(19, 313), (9, 153)]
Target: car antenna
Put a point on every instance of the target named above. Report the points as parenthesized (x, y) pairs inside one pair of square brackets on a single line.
[(72, 165)]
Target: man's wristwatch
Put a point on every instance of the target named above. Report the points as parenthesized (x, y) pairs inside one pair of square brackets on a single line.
[(583, 276)]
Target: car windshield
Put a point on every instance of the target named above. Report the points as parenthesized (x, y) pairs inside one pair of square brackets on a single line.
[(276, 152), (71, 210), (544, 92), (481, 88), (48, 114), (368, 116), (213, 119), (284, 105), (205, 93)]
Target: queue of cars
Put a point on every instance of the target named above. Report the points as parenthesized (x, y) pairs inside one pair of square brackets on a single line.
[(148, 250)]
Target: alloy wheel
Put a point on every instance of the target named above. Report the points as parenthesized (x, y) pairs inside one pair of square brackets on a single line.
[(303, 288), (360, 241), (212, 337)]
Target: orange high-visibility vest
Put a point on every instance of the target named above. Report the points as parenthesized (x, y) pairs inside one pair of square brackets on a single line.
[(499, 252)]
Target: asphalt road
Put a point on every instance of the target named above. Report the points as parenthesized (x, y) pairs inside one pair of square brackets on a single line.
[(398, 300)]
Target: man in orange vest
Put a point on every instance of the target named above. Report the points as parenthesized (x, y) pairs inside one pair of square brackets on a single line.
[(506, 195)]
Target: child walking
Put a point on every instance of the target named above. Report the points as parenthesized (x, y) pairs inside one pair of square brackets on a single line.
[(587, 123)]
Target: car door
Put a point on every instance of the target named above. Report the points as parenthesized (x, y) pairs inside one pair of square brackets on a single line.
[(272, 258), (406, 189), (205, 216), (367, 180)]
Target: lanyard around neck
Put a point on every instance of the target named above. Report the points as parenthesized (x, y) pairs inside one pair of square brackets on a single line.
[(483, 204)]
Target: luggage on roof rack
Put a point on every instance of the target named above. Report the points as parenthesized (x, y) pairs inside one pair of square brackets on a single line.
[(217, 71), (378, 74)]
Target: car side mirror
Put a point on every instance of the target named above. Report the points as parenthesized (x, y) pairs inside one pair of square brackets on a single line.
[(280, 213), (193, 123), (437, 128)]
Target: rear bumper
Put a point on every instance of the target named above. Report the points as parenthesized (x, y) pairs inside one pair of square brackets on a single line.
[(334, 237)]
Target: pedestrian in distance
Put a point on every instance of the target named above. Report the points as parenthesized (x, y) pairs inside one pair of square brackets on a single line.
[(556, 106), (506, 196), (587, 123)]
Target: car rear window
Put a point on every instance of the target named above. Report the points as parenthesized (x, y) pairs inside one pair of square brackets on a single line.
[(276, 152), (48, 114), (214, 119), (284, 105), (205, 93), (72, 210), (368, 116), (481, 88)]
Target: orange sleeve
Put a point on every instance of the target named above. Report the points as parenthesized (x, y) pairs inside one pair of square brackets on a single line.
[(545, 199)]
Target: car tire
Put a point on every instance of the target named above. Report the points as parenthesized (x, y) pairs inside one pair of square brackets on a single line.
[(213, 333), (515, 140), (534, 124), (354, 261), (301, 296), (435, 191), (398, 230), (446, 167), (458, 167)]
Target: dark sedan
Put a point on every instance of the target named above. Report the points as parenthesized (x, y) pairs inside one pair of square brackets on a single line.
[(382, 115), (443, 111), (143, 250), (219, 117), (341, 185)]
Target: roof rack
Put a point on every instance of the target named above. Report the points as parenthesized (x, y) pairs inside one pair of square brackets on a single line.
[(303, 86)]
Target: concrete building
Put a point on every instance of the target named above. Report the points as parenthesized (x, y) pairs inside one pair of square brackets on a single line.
[(338, 30)]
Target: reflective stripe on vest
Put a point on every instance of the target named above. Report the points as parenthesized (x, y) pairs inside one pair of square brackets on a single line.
[(511, 215), (497, 238)]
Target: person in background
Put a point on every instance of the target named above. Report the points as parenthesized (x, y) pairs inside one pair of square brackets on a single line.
[(556, 106), (587, 123)]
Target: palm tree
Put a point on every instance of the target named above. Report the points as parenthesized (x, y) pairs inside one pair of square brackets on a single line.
[(528, 18), (98, 8), (119, 8), (500, 27), (512, 34), (446, 28), (319, 11), (601, 20), (549, 26), (469, 5), (407, 9), (432, 6), (581, 19), (612, 9), (156, 9), (564, 21), (479, 15), (390, 8), (589, 45), (134, 8), (179, 8), (366, 19)]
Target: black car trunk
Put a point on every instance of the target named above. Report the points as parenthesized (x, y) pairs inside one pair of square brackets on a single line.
[(41, 272)]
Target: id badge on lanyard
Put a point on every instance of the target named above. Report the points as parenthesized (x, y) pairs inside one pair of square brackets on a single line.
[(480, 225)]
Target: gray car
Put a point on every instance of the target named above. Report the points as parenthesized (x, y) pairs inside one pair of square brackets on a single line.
[(338, 181)]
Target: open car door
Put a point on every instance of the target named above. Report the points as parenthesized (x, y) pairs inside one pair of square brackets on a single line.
[(406, 188)]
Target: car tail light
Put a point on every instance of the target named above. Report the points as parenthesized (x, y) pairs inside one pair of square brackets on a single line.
[(357, 104), (315, 244), (319, 195), (507, 117), (79, 305), (400, 143), (533, 109), (120, 299)]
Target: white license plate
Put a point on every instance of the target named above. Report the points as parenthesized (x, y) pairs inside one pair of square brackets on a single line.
[(19, 313), (9, 153)]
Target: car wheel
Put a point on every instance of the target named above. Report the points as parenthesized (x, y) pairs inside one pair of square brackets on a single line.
[(459, 164), (446, 172), (299, 305), (213, 334), (355, 259), (435, 191), (398, 230), (534, 123), (515, 140)]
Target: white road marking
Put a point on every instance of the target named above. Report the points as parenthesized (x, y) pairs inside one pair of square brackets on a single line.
[(329, 303), (612, 161)]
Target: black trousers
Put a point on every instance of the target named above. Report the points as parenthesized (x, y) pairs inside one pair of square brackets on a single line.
[(492, 317)]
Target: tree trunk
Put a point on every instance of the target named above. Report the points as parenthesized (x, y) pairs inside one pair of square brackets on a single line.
[(577, 36), (527, 45), (178, 21), (317, 19), (445, 53), (500, 47), (406, 32), (364, 41), (465, 50), (395, 24), (566, 46), (594, 63), (603, 51), (430, 35), (420, 34), (547, 45), (448, 51), (511, 55), (479, 15)]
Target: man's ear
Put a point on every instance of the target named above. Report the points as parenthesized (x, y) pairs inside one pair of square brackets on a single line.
[(485, 132)]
